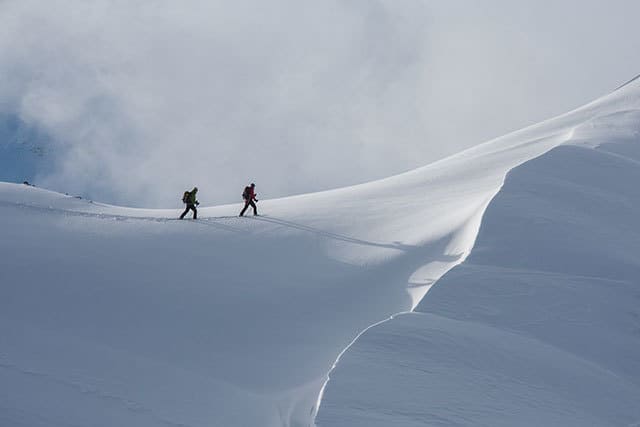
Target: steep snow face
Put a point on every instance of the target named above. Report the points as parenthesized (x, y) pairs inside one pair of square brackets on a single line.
[(116, 316), (540, 325)]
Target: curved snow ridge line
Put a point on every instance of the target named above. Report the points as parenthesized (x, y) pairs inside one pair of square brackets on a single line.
[(473, 224), (470, 229), (560, 132), (628, 83), (328, 378), (468, 232)]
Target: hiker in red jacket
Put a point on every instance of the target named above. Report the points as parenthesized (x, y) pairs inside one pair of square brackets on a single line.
[(249, 196)]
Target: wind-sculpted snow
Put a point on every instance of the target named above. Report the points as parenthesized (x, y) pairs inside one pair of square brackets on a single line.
[(128, 317), (540, 325)]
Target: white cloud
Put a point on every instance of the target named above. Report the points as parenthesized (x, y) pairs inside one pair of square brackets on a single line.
[(146, 98)]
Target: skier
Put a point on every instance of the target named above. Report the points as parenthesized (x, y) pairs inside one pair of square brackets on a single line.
[(249, 196), (189, 198)]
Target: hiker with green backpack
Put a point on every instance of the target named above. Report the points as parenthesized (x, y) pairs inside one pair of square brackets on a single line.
[(249, 196), (189, 198)]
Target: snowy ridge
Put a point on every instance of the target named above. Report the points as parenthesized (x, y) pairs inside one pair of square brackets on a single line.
[(629, 82), (538, 326), (127, 317)]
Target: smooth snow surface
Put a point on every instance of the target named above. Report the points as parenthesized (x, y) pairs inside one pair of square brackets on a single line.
[(116, 316), (540, 325)]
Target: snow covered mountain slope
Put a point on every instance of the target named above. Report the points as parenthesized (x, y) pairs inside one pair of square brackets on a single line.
[(117, 316), (540, 325)]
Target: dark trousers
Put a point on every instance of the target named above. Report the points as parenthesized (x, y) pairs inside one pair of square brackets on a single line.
[(248, 203), (190, 207)]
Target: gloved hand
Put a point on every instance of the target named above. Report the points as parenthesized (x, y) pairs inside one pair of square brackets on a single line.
[(197, 203)]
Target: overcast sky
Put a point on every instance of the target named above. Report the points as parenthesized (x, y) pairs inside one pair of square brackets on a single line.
[(145, 98)]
